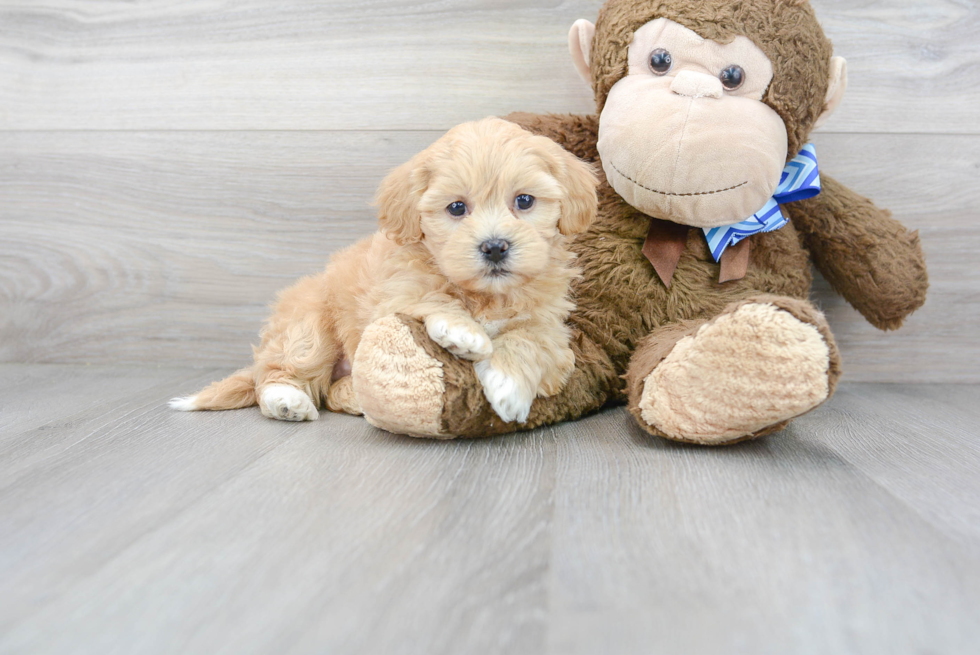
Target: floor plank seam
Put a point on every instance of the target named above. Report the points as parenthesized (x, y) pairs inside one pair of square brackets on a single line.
[(160, 525)]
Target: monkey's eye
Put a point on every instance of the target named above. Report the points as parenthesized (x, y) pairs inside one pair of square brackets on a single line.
[(732, 77), (456, 209), (660, 61), (524, 202)]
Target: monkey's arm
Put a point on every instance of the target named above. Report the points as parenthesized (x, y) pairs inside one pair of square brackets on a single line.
[(575, 133), (867, 256)]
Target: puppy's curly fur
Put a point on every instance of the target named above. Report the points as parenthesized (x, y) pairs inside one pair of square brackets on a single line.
[(502, 305)]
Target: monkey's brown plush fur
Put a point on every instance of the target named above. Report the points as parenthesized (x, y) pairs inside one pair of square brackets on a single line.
[(628, 321)]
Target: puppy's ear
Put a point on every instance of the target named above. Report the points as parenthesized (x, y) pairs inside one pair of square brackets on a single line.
[(398, 201), (580, 202)]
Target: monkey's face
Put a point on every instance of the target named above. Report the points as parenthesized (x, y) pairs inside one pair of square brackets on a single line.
[(685, 136)]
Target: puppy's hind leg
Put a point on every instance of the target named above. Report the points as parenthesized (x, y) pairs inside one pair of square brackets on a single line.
[(287, 403), (294, 367), (341, 397)]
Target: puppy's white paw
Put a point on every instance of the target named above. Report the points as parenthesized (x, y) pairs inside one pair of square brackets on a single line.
[(286, 403), (462, 337), (186, 404), (510, 398)]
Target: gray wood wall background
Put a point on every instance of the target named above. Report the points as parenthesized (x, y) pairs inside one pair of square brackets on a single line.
[(167, 165)]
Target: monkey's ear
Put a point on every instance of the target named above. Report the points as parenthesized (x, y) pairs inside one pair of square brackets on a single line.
[(397, 200), (835, 89), (580, 45)]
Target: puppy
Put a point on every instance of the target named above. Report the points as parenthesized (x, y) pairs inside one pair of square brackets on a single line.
[(472, 242)]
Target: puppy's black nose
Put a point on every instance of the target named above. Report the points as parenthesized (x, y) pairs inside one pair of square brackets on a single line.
[(495, 250)]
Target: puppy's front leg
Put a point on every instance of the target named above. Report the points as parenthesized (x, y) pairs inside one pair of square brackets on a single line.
[(531, 361), (512, 375), (458, 333), (557, 367)]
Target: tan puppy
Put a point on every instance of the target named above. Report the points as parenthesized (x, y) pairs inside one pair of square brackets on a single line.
[(472, 242)]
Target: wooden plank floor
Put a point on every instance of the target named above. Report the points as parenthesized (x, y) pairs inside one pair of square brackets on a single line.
[(128, 528)]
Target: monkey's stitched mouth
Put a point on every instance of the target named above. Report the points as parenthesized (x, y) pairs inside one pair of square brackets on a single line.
[(665, 193)]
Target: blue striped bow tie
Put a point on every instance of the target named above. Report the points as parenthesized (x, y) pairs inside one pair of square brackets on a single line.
[(800, 180)]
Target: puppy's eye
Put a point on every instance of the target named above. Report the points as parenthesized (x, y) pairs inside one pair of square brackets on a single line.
[(524, 202), (456, 209), (660, 61)]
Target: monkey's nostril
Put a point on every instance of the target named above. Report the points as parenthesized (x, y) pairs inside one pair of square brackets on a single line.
[(495, 250)]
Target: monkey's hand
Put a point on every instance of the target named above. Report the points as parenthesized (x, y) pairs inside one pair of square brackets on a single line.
[(866, 255)]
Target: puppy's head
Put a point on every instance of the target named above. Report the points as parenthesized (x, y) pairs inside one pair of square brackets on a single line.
[(489, 200)]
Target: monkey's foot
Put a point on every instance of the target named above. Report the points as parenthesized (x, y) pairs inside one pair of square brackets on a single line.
[(743, 374)]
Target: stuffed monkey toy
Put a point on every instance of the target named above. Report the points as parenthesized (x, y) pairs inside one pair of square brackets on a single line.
[(693, 304)]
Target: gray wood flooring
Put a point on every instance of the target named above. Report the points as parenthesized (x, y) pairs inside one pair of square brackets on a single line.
[(128, 528)]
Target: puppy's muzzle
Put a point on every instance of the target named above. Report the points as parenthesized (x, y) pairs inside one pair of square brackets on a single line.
[(495, 250)]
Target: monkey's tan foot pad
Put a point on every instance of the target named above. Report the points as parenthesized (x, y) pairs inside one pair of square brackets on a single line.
[(397, 383), (751, 369)]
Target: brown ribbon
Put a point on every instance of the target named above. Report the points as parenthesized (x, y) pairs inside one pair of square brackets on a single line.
[(735, 261), (665, 244)]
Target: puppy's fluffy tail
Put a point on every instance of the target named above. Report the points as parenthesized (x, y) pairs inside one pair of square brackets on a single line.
[(234, 392)]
